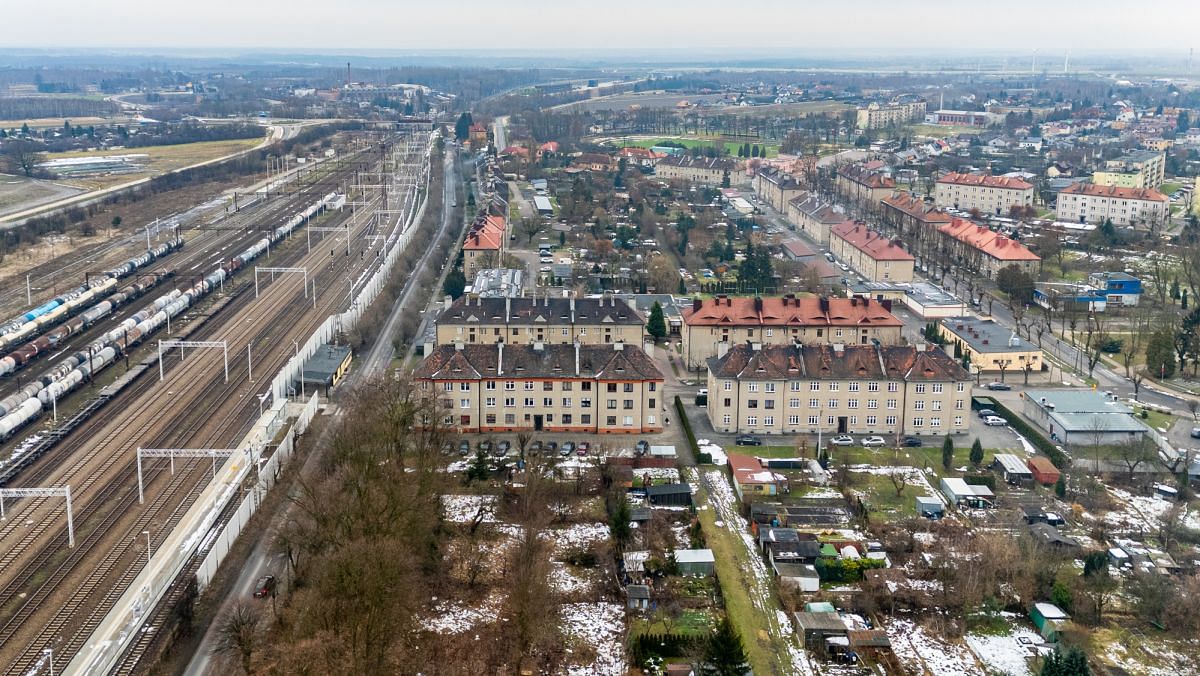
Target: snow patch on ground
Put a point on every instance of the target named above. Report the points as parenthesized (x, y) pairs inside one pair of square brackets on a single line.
[(601, 627), (464, 508), (455, 617), (567, 580), (668, 473), (1171, 663), (1144, 512), (1007, 654), (717, 453), (578, 535), (915, 647)]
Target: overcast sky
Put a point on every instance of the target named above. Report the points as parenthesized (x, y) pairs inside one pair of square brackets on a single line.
[(1052, 26)]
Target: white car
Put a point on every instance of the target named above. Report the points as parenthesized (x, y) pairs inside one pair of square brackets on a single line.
[(868, 442), (842, 440), (994, 421)]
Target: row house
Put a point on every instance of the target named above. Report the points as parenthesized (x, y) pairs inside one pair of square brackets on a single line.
[(993, 195), (702, 170), (875, 257), (838, 389), (985, 251), (477, 320), (814, 216), (714, 325), (541, 387), (913, 220), (1090, 203)]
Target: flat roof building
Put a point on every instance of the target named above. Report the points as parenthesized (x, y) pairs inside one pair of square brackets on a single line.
[(991, 347), (1082, 417)]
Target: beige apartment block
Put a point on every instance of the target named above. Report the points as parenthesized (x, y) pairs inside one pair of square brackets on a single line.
[(590, 321)]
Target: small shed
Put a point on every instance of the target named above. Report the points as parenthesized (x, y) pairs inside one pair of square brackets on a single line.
[(700, 562), (669, 495), (1048, 618), (637, 596), (662, 452), (326, 367), (635, 564), (1118, 557), (798, 575), (1044, 471), (819, 607), (815, 628), (1049, 536), (930, 507), (1012, 469), (1033, 514), (960, 493)]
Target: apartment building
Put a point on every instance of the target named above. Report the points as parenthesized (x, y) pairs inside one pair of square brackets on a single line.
[(894, 114), (908, 213), (814, 215), (875, 257), (717, 324), (865, 185), (776, 187), (984, 251), (964, 118), (1138, 169), (990, 347), (989, 194), (838, 389), (1091, 203), (555, 388), (476, 320), (703, 170), (483, 245)]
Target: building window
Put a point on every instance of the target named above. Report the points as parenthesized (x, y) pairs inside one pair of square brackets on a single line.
[(937, 388), (464, 387), (829, 420), (612, 387), (612, 404), (853, 420), (650, 404), (794, 386), (510, 402), (628, 421), (814, 420), (652, 386), (890, 421), (919, 388), (628, 387), (510, 385), (651, 420), (490, 418), (870, 420), (833, 403), (769, 404), (768, 420), (961, 387), (752, 421), (548, 402), (853, 403), (725, 420), (628, 405), (769, 387), (529, 386), (853, 387), (751, 403), (793, 420), (587, 386), (447, 387), (464, 403), (814, 403), (935, 422), (893, 387), (566, 402), (611, 420), (918, 422), (958, 421), (838, 333), (752, 387), (834, 387), (919, 405), (872, 386), (585, 403), (529, 402), (872, 403), (586, 419), (566, 419), (891, 404), (567, 386), (936, 404), (491, 385), (727, 385), (958, 405), (814, 386), (794, 403), (547, 386)]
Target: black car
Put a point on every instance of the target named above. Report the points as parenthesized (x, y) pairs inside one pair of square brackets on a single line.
[(502, 448), (551, 446), (1002, 387), (534, 447), (985, 412), (264, 586), (464, 447), (747, 440), (913, 442), (1196, 432)]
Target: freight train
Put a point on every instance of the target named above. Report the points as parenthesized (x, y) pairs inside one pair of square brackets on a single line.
[(19, 329), (25, 405)]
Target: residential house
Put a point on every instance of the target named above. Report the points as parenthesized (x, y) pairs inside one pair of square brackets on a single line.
[(864, 186), (597, 162), (589, 321), (990, 347), (1082, 417), (719, 323), (775, 187), (1119, 288), (914, 220), (985, 251), (712, 171), (1091, 203), (564, 388), (477, 136), (483, 245), (993, 195), (837, 389), (814, 215), (894, 114), (875, 257)]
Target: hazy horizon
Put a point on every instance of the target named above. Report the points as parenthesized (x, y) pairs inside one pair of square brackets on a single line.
[(758, 27)]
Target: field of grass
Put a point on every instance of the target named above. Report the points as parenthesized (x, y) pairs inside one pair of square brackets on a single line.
[(881, 496), (18, 192), (942, 131), (769, 451), (1155, 419), (1168, 188), (159, 160), (44, 122)]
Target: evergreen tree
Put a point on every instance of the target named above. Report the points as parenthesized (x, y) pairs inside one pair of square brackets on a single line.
[(976, 453), (947, 452), (455, 283), (656, 325), (1160, 354), (1060, 486), (754, 150), (682, 287), (462, 128), (724, 655), (725, 180), (478, 471)]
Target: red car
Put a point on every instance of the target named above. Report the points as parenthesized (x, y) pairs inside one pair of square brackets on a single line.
[(264, 587)]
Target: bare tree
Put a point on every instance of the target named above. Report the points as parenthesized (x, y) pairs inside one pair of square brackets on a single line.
[(899, 474), (240, 634), (1094, 340), (1135, 452), (21, 155)]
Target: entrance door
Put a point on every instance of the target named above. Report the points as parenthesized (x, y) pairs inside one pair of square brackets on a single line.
[(537, 423), (841, 424)]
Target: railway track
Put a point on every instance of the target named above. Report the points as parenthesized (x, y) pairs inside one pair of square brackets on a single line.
[(209, 414)]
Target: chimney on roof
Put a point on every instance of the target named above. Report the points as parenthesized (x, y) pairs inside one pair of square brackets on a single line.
[(507, 308), (756, 347), (458, 347), (839, 349), (722, 349), (619, 346), (577, 357), (500, 358), (697, 304), (758, 304), (853, 301)]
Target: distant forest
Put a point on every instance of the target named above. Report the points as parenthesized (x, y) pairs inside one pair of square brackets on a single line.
[(30, 107)]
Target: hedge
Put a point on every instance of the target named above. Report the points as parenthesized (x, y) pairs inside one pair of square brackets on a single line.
[(687, 429), (1035, 437), (644, 646), (988, 480)]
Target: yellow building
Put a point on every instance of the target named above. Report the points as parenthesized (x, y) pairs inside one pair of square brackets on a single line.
[(990, 347), (476, 320)]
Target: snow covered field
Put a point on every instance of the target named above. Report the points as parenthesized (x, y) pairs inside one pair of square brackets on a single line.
[(920, 651), (595, 632)]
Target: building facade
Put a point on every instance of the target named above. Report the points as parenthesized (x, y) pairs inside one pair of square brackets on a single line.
[(814, 216), (881, 115), (540, 387), (591, 321), (703, 170), (984, 251), (838, 389), (1139, 169), (990, 347), (864, 187), (993, 195), (1091, 203), (875, 257), (712, 326), (483, 245), (776, 187)]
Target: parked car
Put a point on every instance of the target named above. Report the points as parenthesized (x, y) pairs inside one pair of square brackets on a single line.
[(868, 442), (641, 447), (464, 447), (911, 442), (747, 440), (1004, 387), (534, 447), (584, 448), (264, 586), (1196, 432), (485, 446), (568, 447), (985, 413), (994, 421), (503, 447), (551, 446), (842, 440)]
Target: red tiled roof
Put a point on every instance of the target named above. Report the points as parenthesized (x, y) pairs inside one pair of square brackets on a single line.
[(867, 177), (985, 180), (987, 241), (549, 147), (1093, 190), (486, 234), (798, 248), (916, 207), (871, 243), (788, 311), (748, 470), (777, 362)]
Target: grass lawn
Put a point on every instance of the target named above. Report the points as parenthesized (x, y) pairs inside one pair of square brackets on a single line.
[(770, 451), (43, 122), (733, 570), (881, 495), (943, 130), (1168, 188), (161, 159), (1155, 419), (696, 622), (700, 142)]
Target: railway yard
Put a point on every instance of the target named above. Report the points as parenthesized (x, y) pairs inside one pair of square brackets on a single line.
[(200, 285)]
